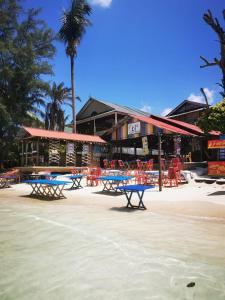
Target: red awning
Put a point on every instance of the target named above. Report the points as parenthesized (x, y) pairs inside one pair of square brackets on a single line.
[(162, 125), (186, 125), (36, 132)]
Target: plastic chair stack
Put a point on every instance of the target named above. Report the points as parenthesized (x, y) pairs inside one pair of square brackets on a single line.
[(92, 178), (171, 178)]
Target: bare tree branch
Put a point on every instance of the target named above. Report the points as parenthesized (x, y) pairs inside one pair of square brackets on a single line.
[(209, 64), (205, 97)]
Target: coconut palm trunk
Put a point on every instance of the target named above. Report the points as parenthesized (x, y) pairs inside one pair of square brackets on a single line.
[(73, 93), (74, 23)]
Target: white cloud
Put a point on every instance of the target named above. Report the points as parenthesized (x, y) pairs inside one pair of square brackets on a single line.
[(200, 99), (102, 3), (146, 108), (166, 111)]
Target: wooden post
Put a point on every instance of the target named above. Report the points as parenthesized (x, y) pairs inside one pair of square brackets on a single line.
[(159, 158), (22, 155), (116, 119), (38, 152), (94, 127), (26, 149)]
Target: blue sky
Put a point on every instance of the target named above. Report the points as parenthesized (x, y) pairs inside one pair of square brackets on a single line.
[(143, 54)]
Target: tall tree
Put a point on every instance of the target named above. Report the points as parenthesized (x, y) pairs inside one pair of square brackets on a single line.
[(74, 23), (213, 118), (25, 49), (55, 115), (220, 32)]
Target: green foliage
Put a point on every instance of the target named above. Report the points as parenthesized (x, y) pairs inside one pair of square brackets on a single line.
[(214, 118), (25, 49), (55, 115), (74, 23)]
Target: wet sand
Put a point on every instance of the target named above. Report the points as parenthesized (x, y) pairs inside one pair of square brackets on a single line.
[(89, 246)]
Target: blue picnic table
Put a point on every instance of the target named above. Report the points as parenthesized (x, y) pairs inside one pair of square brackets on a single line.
[(5, 180), (47, 188), (129, 190), (111, 182), (76, 179)]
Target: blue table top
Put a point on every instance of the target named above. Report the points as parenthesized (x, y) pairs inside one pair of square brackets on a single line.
[(8, 176), (135, 187), (75, 176), (45, 181), (116, 178)]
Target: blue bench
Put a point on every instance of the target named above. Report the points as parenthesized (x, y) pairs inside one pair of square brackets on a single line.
[(129, 190), (110, 183), (47, 188)]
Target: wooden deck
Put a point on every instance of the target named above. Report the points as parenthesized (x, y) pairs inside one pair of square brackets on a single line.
[(67, 169), (55, 169)]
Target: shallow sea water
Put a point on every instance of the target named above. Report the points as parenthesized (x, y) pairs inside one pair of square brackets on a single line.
[(56, 251)]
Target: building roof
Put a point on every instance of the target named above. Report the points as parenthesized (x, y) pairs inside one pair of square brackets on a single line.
[(185, 125), (185, 107), (60, 135), (111, 107), (163, 125)]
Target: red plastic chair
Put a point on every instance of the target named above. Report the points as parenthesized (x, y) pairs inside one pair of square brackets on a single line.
[(92, 178), (172, 177), (106, 163), (121, 164), (149, 165), (140, 177), (113, 164), (139, 164)]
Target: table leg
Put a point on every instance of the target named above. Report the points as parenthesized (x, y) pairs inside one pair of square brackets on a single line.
[(129, 198), (140, 196), (107, 186), (76, 183)]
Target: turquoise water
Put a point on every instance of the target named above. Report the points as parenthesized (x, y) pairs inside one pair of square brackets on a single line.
[(55, 250)]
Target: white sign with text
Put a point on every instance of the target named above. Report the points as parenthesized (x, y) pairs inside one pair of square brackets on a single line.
[(134, 128)]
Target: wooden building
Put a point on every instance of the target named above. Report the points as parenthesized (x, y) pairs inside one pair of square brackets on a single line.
[(187, 111), (127, 129), (39, 147)]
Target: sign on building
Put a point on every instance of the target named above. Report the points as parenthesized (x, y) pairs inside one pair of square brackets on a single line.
[(134, 128), (70, 148), (216, 168), (145, 145), (86, 149)]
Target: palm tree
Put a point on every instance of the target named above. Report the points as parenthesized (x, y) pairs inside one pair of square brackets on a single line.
[(55, 115), (74, 23)]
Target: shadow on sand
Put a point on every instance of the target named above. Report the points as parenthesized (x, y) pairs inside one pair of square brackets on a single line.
[(219, 193), (113, 194), (123, 209), (40, 197)]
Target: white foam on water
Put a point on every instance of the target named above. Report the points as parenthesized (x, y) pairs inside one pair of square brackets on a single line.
[(105, 239)]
